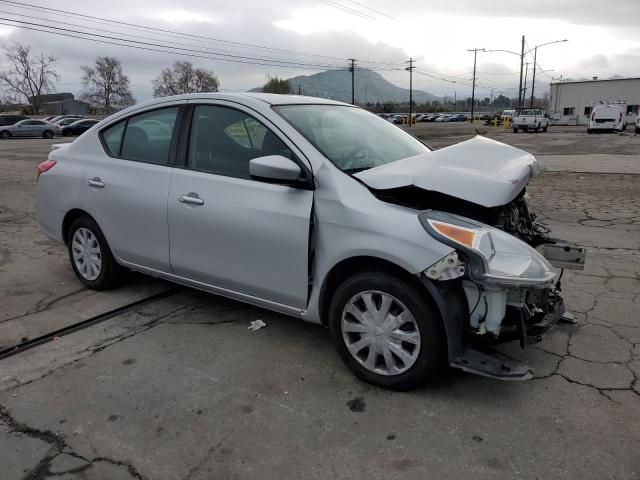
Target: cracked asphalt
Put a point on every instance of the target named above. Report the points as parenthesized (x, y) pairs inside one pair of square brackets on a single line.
[(179, 388)]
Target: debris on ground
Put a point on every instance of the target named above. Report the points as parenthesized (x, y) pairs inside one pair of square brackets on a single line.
[(257, 325)]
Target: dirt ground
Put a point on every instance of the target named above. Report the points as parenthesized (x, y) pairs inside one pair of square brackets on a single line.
[(178, 388)]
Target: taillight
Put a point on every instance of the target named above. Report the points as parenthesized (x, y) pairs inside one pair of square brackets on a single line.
[(44, 166), (593, 116)]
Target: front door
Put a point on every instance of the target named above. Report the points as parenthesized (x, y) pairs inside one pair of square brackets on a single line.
[(228, 230), (127, 186)]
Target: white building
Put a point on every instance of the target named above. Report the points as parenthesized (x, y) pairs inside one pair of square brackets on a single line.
[(570, 102)]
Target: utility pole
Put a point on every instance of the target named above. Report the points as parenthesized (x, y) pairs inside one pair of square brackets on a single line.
[(352, 69), (524, 88), (533, 80), (410, 69), (521, 67), (473, 87)]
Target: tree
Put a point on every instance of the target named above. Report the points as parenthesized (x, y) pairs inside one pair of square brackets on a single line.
[(276, 85), (28, 74), (183, 78), (106, 88)]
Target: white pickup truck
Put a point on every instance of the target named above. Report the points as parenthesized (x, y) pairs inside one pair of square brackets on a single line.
[(530, 119)]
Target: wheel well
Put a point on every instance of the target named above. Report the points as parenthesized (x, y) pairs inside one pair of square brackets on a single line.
[(69, 218), (352, 265)]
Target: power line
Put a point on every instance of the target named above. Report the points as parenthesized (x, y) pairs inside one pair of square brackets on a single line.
[(216, 56), (160, 50), (171, 33), (220, 52), (344, 8), (373, 10)]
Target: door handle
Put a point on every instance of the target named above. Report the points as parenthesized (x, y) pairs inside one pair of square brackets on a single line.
[(95, 182), (191, 198)]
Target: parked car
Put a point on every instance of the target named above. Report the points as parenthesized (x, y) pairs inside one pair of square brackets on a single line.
[(11, 119), (29, 128), (530, 119), (67, 120), (458, 117), (78, 127), (60, 117), (609, 118), (313, 208), (442, 118)]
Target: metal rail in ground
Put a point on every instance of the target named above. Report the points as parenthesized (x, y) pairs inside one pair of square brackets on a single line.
[(34, 342)]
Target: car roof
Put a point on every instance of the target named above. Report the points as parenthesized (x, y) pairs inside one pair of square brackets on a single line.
[(270, 98)]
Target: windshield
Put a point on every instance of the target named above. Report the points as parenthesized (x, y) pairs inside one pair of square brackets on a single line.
[(351, 138)]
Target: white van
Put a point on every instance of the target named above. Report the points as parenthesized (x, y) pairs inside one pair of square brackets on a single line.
[(607, 118)]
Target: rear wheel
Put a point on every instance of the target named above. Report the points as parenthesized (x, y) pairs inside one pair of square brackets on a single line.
[(589, 130), (515, 130), (5, 135), (90, 255), (638, 130), (386, 330), (544, 129), (47, 134)]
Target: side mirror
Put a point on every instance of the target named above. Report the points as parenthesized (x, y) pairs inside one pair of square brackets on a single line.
[(276, 169)]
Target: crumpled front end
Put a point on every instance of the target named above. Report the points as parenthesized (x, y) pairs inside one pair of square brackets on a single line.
[(512, 290)]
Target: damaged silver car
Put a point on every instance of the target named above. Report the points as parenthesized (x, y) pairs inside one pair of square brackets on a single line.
[(414, 258)]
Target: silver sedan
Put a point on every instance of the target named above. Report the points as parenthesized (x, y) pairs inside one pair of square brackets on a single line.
[(413, 258), (29, 128)]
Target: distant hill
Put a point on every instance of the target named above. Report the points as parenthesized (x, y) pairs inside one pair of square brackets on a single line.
[(370, 87)]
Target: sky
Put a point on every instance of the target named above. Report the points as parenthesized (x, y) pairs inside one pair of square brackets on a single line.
[(312, 35)]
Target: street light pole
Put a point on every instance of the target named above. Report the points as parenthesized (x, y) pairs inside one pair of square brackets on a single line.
[(473, 87), (533, 78)]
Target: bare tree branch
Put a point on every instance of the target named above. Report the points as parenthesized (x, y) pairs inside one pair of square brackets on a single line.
[(183, 78), (106, 88), (29, 75)]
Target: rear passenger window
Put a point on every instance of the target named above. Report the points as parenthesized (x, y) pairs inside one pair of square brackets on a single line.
[(147, 137), (112, 137), (224, 140)]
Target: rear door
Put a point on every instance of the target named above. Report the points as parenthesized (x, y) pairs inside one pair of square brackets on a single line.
[(229, 230), (127, 185)]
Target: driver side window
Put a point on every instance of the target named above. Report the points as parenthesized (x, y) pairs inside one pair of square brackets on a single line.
[(223, 141)]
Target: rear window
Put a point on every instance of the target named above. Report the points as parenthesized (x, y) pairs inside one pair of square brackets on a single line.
[(145, 137)]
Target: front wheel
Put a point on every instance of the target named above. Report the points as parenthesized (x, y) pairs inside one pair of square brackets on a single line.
[(48, 134), (637, 130), (90, 255), (386, 330), (515, 130), (544, 129), (5, 135)]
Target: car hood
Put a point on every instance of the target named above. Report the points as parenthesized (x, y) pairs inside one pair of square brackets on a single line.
[(479, 170)]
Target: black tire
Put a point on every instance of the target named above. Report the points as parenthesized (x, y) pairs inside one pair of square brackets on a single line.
[(110, 272), (431, 357), (47, 134), (544, 129), (638, 130), (589, 130), (515, 130), (5, 135)]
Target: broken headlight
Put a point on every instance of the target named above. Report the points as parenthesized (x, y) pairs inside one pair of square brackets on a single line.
[(493, 256)]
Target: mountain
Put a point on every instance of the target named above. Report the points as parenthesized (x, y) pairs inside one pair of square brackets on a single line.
[(370, 87)]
